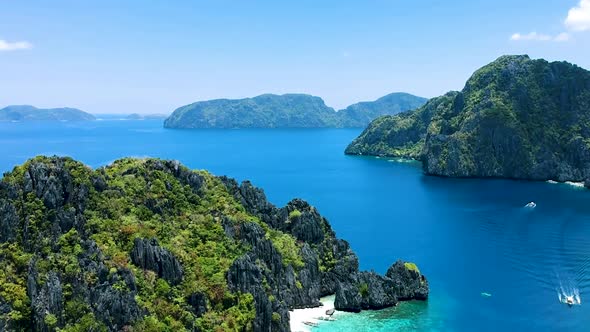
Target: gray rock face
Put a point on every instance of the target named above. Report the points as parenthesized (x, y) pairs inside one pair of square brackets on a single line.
[(368, 290), (8, 221), (47, 299), (199, 303), (147, 254), (409, 284), (67, 200), (516, 118), (66, 263), (331, 267)]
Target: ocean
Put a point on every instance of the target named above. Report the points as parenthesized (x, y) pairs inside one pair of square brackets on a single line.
[(492, 264)]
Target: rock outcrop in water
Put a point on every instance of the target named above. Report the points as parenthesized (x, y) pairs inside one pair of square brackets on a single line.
[(368, 290), (515, 118), (286, 111), (148, 245)]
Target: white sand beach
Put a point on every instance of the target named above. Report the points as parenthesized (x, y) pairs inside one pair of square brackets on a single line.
[(297, 317)]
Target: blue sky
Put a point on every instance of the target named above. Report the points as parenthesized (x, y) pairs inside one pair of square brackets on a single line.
[(152, 56)]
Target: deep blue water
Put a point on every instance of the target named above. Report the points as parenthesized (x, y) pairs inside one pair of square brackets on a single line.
[(467, 236)]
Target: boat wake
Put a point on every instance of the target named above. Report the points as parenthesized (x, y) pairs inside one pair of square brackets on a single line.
[(568, 294)]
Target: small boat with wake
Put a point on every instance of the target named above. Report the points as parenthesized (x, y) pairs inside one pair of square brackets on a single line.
[(531, 205), (570, 300)]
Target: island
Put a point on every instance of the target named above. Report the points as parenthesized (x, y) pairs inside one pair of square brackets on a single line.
[(149, 245), (286, 111), (516, 118), (17, 113)]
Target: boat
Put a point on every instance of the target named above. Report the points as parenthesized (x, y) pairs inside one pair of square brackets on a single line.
[(531, 205), (311, 324)]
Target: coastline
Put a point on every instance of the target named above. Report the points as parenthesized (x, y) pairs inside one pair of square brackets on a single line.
[(298, 317)]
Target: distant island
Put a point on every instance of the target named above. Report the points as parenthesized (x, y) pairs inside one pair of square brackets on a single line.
[(149, 245), (31, 113), (137, 116), (516, 118), (286, 111)]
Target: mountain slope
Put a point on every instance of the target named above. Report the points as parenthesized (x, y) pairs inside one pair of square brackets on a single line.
[(31, 113), (285, 111), (265, 111), (515, 118), (361, 114), (149, 245)]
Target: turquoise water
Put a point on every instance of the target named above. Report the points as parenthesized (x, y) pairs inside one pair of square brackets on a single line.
[(467, 236)]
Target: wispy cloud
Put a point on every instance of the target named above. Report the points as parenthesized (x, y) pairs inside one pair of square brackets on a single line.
[(534, 36), (578, 18), (14, 46)]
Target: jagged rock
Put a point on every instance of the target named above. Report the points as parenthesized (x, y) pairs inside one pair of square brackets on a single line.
[(147, 254), (199, 303), (48, 299), (345, 263), (4, 309), (114, 307), (368, 290), (409, 282), (516, 118), (315, 261), (8, 221), (365, 290)]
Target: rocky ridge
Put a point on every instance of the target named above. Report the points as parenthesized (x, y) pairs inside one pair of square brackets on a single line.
[(515, 118), (101, 250)]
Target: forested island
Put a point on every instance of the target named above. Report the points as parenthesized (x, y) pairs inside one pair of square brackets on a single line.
[(149, 245), (286, 111), (515, 118), (31, 113)]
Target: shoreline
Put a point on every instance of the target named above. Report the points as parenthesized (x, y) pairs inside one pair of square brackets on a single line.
[(317, 315)]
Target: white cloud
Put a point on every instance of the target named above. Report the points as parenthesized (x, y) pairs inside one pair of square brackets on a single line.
[(578, 18), (562, 37), (534, 36), (20, 45)]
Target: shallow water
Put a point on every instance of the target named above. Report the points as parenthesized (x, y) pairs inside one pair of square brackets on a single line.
[(468, 236)]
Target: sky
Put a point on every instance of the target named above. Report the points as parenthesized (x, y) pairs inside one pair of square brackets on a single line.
[(113, 56)]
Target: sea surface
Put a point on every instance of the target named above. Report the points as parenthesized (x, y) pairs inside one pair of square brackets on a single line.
[(492, 263)]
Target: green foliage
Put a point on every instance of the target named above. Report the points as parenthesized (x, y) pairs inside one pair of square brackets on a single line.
[(401, 135), (412, 267), (515, 118), (287, 247), (50, 320), (85, 323), (290, 110), (294, 214), (31, 113), (139, 200), (364, 289), (276, 317), (13, 284)]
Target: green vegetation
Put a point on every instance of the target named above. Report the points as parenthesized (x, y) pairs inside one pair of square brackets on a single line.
[(138, 200), (294, 214), (412, 267), (290, 110), (364, 289), (287, 246), (515, 118), (401, 135), (31, 113)]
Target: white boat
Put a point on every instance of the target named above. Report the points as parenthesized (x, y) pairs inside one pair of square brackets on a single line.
[(531, 205)]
